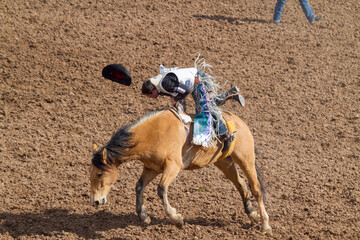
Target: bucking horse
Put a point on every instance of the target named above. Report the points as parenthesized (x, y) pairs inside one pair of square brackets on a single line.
[(161, 141)]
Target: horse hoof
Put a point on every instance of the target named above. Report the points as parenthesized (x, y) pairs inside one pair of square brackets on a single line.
[(266, 229), (179, 225), (179, 222), (146, 221)]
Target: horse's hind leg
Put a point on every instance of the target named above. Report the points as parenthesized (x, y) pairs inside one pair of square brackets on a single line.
[(227, 166), (169, 174), (247, 164), (146, 177)]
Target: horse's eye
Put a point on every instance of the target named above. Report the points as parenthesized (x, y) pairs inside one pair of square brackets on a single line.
[(100, 175)]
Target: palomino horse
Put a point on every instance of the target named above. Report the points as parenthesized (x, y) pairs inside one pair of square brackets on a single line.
[(160, 141)]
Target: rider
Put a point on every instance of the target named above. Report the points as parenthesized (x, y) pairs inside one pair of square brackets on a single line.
[(180, 82)]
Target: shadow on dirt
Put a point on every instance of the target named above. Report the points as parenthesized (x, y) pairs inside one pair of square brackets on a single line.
[(254, 20), (231, 20), (53, 222), (217, 18), (216, 223)]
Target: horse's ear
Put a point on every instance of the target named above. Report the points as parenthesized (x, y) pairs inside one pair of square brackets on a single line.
[(95, 147), (104, 155)]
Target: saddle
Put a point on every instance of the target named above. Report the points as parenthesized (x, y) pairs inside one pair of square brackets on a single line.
[(187, 121)]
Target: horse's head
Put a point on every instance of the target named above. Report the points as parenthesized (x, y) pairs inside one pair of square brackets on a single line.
[(102, 175)]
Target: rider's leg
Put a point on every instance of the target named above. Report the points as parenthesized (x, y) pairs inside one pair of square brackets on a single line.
[(225, 136), (234, 93), (220, 99)]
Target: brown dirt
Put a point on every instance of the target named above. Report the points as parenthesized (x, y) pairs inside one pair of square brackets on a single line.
[(302, 88)]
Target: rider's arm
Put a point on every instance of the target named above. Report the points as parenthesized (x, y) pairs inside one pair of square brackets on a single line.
[(171, 84)]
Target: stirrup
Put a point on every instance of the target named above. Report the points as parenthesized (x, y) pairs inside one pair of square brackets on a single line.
[(234, 93)]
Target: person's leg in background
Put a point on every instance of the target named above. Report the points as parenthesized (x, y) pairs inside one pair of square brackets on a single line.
[(279, 6), (307, 9), (308, 12)]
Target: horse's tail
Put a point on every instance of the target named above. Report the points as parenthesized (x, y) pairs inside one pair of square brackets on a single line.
[(261, 180)]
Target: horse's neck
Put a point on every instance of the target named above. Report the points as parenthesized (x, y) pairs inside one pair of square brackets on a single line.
[(157, 131)]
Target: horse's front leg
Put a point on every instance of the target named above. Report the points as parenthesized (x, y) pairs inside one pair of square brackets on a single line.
[(169, 174), (146, 177)]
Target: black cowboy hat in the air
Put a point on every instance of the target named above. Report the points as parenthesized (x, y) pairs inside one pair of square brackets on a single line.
[(117, 73)]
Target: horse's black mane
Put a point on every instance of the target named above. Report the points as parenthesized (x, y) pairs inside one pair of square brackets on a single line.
[(120, 140)]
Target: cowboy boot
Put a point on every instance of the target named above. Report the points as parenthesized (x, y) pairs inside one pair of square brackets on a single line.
[(227, 138), (232, 93)]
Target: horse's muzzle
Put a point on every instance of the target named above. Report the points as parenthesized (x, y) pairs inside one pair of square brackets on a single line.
[(96, 201), (101, 202)]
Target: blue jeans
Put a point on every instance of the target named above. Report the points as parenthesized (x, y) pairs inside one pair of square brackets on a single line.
[(222, 127), (304, 5)]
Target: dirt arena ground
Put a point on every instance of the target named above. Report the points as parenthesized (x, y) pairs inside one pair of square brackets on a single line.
[(301, 83)]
